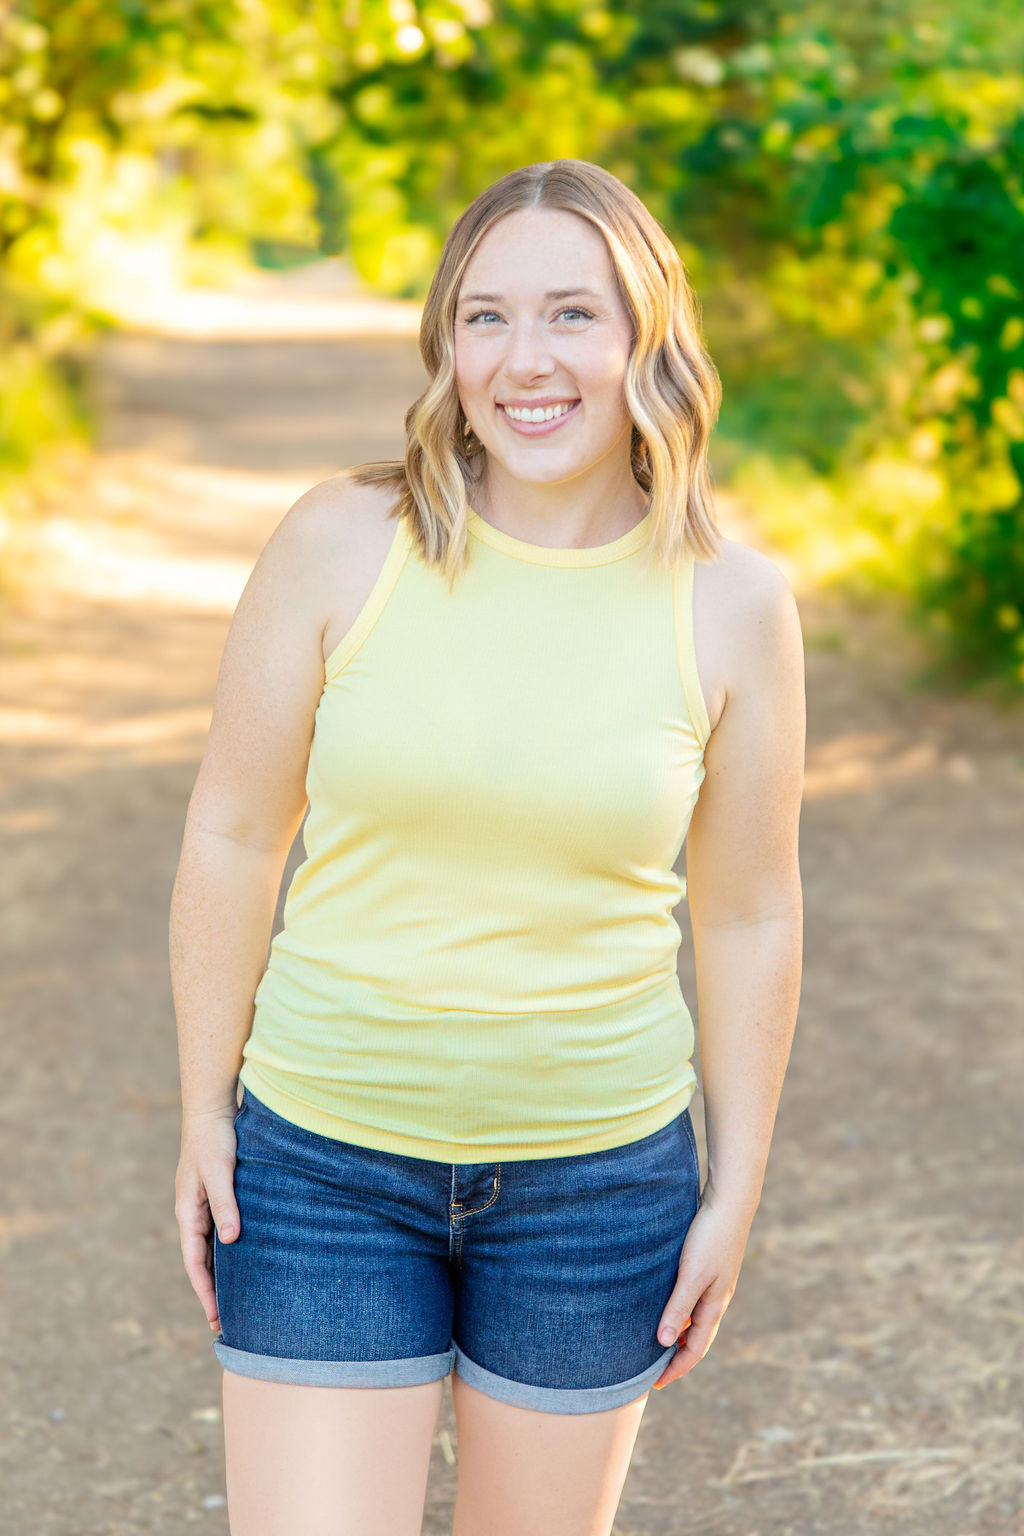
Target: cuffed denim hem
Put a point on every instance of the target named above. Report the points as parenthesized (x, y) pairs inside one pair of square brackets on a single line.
[(556, 1399), (335, 1373)]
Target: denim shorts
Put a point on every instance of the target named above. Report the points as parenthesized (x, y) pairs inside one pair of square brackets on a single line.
[(541, 1281)]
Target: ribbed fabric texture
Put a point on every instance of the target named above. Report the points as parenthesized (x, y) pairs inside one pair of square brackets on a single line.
[(478, 958)]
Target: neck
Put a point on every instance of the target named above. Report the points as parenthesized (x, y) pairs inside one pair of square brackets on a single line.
[(557, 515)]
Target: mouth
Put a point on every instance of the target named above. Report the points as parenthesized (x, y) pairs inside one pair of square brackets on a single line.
[(538, 428)]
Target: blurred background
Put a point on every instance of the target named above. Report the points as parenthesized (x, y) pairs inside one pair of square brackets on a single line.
[(218, 220), (844, 185)]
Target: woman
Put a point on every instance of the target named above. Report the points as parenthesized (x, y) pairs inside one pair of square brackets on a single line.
[(510, 675)]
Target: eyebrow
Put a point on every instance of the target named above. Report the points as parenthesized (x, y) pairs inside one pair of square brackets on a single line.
[(552, 293)]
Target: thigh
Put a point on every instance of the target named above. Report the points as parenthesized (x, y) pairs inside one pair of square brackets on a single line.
[(327, 1461), (549, 1474), (565, 1273), (339, 1276)]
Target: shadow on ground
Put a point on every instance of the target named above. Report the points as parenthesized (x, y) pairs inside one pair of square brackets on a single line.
[(867, 1376)]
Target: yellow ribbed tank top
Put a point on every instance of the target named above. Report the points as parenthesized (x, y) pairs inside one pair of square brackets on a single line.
[(478, 958)]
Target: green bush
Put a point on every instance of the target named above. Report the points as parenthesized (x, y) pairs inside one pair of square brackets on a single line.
[(975, 602)]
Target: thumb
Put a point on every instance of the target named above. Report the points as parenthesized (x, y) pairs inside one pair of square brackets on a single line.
[(223, 1207), (678, 1313), (672, 1325)]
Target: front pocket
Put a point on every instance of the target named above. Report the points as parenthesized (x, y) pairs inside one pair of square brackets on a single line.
[(694, 1153), (216, 1240)]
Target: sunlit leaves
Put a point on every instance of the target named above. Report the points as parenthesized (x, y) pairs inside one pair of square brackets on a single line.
[(844, 183)]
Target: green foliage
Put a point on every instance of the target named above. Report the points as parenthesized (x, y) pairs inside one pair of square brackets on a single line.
[(864, 173), (976, 600), (845, 185), (44, 395)]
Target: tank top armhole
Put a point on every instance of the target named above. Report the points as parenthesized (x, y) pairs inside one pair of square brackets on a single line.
[(686, 651), (374, 605)]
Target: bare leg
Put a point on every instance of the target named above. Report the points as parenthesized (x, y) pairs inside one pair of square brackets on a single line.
[(527, 1473), (327, 1461)]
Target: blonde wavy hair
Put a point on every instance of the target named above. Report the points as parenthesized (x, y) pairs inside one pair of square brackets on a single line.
[(672, 388)]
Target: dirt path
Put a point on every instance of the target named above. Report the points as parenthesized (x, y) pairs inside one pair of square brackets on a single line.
[(868, 1375)]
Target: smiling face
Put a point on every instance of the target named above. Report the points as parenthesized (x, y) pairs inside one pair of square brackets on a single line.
[(540, 325)]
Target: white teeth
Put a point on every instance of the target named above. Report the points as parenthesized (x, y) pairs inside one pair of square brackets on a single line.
[(541, 413)]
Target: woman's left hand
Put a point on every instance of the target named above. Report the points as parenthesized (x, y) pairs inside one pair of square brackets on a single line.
[(709, 1268)]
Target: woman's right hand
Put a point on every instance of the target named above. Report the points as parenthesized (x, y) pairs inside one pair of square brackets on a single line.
[(204, 1196)]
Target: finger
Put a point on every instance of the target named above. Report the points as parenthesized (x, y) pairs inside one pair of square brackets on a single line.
[(673, 1324), (220, 1196), (670, 1372), (195, 1248), (196, 1236), (693, 1346)]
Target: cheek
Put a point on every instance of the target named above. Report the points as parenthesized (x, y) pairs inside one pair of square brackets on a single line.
[(609, 387), (468, 379), (604, 371), (462, 368)]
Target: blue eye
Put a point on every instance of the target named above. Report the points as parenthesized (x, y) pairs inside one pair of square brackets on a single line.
[(483, 314)]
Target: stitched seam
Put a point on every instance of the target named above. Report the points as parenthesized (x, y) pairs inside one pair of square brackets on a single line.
[(453, 1251), (692, 1137), (497, 1190), (377, 600), (686, 650)]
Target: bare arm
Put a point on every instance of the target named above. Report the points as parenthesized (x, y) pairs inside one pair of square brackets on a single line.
[(744, 895), (222, 911), (247, 804), (746, 911)]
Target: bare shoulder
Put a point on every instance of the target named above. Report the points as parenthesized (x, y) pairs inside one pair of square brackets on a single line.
[(745, 620), (341, 533), (339, 517)]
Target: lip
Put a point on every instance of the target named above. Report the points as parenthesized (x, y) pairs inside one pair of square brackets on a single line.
[(541, 400), (537, 428)]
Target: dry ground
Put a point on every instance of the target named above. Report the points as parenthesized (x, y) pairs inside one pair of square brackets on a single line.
[(868, 1375)]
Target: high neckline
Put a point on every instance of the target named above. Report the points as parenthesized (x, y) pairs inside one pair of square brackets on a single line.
[(541, 554)]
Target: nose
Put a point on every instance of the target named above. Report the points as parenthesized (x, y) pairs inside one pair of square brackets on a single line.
[(527, 353)]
